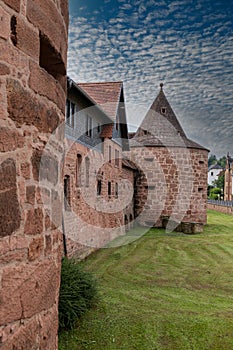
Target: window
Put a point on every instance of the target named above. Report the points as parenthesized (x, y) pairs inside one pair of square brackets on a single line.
[(89, 126), (98, 128), (109, 154), (117, 155), (78, 171), (87, 166), (70, 112), (67, 192), (212, 173), (116, 190), (109, 189), (163, 110), (99, 185)]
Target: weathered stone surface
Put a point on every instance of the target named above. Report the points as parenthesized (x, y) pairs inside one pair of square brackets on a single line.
[(65, 11), (4, 69), (44, 15), (10, 139), (48, 245), (25, 108), (28, 289), (34, 222), (44, 167), (9, 205), (15, 4), (29, 280), (56, 206), (44, 84), (30, 194), (25, 170), (48, 322), (36, 248), (27, 38), (4, 24), (21, 336)]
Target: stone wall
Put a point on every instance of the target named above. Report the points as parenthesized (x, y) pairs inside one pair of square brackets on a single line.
[(33, 48), (171, 184), (94, 216), (220, 208)]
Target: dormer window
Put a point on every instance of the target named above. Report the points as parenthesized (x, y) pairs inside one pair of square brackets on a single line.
[(163, 110)]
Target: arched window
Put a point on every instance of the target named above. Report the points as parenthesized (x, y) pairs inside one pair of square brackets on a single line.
[(78, 171), (87, 168)]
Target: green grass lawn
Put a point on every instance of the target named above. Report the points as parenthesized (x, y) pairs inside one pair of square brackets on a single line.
[(162, 291)]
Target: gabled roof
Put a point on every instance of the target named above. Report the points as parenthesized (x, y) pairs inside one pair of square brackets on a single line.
[(160, 127), (105, 94), (215, 166)]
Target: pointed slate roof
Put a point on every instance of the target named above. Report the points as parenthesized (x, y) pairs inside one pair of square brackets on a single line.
[(160, 127), (105, 94)]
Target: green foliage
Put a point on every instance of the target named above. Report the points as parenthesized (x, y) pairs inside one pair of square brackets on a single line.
[(219, 183), (215, 193), (222, 161), (208, 190), (212, 160), (78, 292), (165, 291)]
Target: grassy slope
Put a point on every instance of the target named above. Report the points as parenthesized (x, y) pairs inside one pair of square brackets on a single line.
[(163, 291)]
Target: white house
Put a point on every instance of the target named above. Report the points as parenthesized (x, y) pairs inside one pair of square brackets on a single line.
[(213, 172)]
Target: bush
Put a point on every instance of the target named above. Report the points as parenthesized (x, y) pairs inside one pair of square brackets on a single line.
[(78, 292), (215, 193)]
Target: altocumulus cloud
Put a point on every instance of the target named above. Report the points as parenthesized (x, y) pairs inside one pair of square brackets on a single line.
[(186, 44)]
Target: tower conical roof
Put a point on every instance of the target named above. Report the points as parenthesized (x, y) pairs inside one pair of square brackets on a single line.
[(160, 127)]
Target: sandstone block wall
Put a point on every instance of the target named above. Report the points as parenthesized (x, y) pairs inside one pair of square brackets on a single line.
[(94, 219), (220, 208), (171, 184), (33, 47)]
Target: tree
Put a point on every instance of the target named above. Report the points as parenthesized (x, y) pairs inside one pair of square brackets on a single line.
[(219, 183), (212, 160), (215, 193), (222, 161)]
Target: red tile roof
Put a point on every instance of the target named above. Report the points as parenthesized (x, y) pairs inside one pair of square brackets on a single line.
[(107, 131), (105, 94)]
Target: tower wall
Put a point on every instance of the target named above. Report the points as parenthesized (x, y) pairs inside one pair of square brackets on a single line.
[(33, 48), (172, 184)]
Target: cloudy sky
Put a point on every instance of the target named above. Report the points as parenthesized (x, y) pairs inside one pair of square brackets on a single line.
[(186, 44)]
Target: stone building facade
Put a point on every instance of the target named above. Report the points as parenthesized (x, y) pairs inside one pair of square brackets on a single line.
[(228, 179), (172, 184), (159, 181), (97, 178), (33, 49)]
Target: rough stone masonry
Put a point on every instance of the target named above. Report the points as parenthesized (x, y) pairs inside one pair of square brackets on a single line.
[(33, 49)]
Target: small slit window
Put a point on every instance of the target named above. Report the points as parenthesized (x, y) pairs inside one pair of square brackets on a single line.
[(99, 185), (116, 190), (109, 189), (163, 110)]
